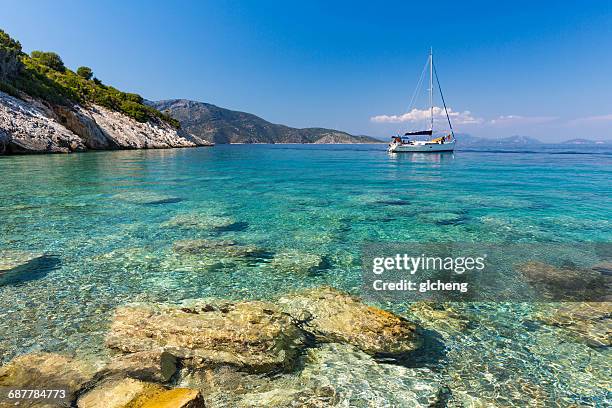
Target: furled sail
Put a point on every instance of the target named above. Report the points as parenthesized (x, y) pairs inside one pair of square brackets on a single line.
[(419, 132)]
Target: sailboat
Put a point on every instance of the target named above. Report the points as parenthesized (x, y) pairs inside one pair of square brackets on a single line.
[(444, 143)]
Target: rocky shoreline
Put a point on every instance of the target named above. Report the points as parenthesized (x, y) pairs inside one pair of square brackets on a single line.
[(29, 125), (205, 351)]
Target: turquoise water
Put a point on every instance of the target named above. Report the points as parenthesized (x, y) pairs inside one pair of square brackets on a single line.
[(108, 222)]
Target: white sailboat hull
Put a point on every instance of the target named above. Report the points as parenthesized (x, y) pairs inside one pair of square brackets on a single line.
[(446, 143), (421, 147)]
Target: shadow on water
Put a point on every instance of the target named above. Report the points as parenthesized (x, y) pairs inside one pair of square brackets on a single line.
[(171, 200), (457, 221), (393, 202), (234, 227), (324, 266), (431, 354), (35, 269)]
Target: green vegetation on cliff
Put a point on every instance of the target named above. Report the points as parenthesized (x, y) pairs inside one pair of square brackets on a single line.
[(43, 75), (7, 42)]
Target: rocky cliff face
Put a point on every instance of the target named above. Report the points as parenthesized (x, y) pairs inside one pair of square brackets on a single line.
[(221, 125), (32, 126)]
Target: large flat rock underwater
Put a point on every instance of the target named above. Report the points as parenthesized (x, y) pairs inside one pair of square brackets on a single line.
[(336, 317), (202, 220), (250, 335), (570, 284), (217, 353), (145, 197), (586, 322)]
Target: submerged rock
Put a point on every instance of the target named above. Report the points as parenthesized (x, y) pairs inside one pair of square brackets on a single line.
[(564, 284), (344, 376), (46, 371), (331, 375), (151, 366), (440, 317), (340, 375), (333, 316), (131, 393), (218, 249), (194, 246), (206, 255), (296, 261), (122, 393), (146, 197), (290, 397), (203, 221), (223, 386), (605, 268), (254, 336), (586, 322), (176, 398)]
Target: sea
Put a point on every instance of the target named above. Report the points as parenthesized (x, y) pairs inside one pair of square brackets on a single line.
[(108, 224)]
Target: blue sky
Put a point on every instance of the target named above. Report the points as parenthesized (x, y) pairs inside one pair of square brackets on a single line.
[(532, 68)]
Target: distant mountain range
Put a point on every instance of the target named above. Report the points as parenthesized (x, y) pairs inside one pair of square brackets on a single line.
[(467, 140), (222, 126), (587, 142)]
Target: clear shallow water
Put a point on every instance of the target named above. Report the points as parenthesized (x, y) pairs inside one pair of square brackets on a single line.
[(110, 219)]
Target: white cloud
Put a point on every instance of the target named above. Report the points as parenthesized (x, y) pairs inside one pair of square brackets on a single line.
[(521, 120), (417, 115), (591, 119)]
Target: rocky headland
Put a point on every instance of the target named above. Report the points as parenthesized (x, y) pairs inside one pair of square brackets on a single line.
[(30, 125), (47, 108)]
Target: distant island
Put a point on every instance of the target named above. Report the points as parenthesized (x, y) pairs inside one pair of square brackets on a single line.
[(47, 108), (467, 140)]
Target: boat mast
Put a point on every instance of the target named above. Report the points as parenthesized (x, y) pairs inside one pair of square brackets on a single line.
[(431, 113), (444, 102)]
